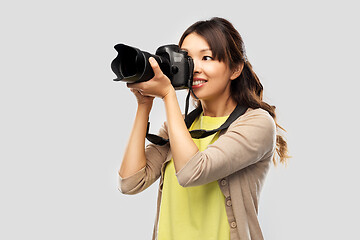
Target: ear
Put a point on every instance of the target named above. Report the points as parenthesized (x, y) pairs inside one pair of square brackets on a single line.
[(237, 71)]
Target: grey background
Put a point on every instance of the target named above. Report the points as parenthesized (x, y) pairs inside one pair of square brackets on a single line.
[(64, 122)]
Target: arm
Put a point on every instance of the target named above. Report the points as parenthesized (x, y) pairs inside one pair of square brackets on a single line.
[(134, 157), (155, 156), (141, 166), (250, 139), (183, 147)]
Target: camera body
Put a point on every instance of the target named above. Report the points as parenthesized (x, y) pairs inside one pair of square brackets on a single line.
[(132, 65)]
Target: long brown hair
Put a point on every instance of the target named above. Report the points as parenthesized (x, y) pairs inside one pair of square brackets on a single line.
[(227, 45)]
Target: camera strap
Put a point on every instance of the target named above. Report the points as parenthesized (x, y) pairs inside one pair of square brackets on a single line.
[(200, 133)]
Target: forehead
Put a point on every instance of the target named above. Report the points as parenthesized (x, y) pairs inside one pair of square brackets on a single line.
[(195, 43)]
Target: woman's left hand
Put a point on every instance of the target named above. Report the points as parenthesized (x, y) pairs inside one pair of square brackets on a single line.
[(158, 86)]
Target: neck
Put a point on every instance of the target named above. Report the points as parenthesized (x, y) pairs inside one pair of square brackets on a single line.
[(218, 108)]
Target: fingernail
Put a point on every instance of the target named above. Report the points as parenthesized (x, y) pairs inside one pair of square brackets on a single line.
[(152, 61)]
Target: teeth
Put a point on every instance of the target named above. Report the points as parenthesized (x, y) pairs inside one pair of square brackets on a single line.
[(197, 82)]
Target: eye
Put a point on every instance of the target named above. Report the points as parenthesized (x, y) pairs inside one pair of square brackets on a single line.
[(207, 58)]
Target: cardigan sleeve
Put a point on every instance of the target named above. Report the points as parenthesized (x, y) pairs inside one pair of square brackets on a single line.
[(155, 157), (251, 138)]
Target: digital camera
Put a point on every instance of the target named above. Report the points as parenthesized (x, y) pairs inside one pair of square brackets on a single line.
[(132, 65)]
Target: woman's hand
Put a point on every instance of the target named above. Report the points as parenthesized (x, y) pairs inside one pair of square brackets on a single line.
[(141, 99), (158, 86)]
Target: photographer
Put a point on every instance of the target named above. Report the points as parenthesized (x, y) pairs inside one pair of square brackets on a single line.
[(209, 187)]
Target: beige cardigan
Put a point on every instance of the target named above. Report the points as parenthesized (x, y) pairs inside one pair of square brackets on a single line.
[(239, 160)]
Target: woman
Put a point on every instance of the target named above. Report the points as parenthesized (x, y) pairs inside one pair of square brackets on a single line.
[(209, 187)]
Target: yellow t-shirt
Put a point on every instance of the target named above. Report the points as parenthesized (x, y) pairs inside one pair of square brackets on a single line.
[(193, 213)]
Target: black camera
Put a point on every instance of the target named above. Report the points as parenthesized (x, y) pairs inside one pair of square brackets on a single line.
[(132, 65)]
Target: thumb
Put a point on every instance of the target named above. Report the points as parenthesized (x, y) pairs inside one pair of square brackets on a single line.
[(155, 66)]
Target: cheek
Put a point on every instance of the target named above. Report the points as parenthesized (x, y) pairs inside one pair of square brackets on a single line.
[(213, 71), (219, 75)]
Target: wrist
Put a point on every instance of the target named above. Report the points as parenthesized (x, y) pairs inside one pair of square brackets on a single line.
[(144, 108), (170, 94)]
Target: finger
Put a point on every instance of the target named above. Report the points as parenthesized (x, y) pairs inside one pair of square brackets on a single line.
[(136, 86), (155, 66), (137, 91), (133, 90)]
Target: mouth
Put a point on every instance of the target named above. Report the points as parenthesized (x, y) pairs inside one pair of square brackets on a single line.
[(198, 82)]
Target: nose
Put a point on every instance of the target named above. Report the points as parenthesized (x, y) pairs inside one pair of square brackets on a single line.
[(197, 66)]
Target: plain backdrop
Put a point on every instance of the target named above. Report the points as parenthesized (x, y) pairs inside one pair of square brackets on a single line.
[(64, 122)]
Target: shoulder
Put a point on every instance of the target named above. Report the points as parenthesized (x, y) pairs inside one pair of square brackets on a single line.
[(257, 116), (256, 125)]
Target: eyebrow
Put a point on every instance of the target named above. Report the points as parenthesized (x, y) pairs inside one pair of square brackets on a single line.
[(202, 50), (206, 49)]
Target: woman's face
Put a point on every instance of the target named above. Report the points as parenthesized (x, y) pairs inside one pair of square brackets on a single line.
[(212, 78)]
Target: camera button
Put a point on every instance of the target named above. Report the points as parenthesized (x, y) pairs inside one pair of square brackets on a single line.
[(174, 69)]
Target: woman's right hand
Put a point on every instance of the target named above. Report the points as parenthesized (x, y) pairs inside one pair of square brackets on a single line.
[(142, 100)]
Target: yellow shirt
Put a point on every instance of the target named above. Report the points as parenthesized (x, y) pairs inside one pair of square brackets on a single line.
[(193, 213)]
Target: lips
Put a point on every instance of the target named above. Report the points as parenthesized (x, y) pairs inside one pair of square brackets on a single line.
[(198, 82)]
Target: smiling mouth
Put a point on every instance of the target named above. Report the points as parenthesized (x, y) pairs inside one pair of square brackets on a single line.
[(198, 83)]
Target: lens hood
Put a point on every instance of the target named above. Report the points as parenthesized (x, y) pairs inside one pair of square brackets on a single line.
[(131, 64)]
